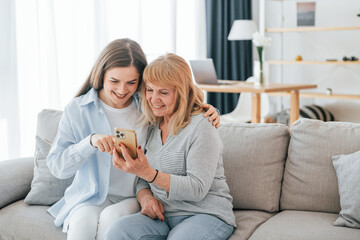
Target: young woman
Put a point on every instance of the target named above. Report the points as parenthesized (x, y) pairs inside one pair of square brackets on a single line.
[(100, 193), (182, 188)]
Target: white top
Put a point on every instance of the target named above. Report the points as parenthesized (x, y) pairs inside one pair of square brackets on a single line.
[(129, 118)]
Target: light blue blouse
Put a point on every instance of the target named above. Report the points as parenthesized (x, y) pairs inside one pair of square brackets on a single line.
[(71, 153)]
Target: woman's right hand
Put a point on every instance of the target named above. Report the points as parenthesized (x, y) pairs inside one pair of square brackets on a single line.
[(150, 206), (102, 142)]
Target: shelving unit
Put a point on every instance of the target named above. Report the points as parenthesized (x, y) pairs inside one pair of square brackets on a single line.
[(313, 62), (310, 29), (321, 95), (284, 30)]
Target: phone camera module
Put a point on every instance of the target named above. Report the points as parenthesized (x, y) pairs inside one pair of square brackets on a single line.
[(122, 135)]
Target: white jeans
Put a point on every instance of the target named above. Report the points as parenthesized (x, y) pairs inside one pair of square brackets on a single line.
[(90, 222)]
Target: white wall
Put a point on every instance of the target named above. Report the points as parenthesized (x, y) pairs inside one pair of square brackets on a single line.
[(343, 79)]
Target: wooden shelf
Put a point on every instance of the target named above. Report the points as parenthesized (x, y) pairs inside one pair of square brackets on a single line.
[(300, 30), (310, 29), (320, 95), (313, 62)]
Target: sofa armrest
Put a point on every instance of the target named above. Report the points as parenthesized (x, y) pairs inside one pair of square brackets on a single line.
[(15, 179)]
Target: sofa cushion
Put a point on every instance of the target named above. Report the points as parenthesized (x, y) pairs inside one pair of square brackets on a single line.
[(348, 174), (21, 221), (310, 181), (47, 124), (300, 225), (45, 188), (247, 222), (254, 156), (15, 179)]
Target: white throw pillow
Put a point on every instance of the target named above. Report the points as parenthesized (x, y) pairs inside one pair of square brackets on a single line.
[(45, 188), (348, 174)]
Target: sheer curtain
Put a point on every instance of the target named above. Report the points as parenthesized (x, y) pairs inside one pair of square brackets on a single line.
[(51, 46)]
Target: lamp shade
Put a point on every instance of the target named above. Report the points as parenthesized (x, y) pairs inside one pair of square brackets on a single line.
[(242, 30)]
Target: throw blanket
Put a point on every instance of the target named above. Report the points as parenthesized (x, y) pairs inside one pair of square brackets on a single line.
[(308, 111)]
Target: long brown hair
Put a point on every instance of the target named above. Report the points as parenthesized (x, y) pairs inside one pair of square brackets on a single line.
[(119, 53), (172, 70)]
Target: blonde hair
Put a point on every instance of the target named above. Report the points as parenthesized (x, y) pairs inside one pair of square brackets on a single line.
[(173, 71)]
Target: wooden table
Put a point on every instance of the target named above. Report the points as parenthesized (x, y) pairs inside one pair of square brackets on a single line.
[(242, 86)]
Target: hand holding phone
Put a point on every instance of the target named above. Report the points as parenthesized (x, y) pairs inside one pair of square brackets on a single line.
[(128, 138)]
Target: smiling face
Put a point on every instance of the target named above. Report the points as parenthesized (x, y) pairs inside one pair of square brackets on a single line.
[(120, 83), (161, 99)]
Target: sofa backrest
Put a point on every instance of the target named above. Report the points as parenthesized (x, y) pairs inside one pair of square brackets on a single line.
[(310, 181), (254, 156), (47, 124)]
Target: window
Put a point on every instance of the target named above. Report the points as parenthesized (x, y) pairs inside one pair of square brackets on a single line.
[(58, 41)]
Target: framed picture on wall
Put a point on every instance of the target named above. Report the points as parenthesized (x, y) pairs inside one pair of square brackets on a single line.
[(305, 13)]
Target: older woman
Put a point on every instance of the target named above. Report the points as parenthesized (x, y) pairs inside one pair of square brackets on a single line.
[(183, 167)]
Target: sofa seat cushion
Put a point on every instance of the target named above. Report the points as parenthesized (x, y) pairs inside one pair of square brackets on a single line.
[(254, 157), (22, 221), (310, 182), (296, 225), (247, 222)]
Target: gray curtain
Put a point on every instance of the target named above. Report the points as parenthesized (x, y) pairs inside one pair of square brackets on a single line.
[(232, 59)]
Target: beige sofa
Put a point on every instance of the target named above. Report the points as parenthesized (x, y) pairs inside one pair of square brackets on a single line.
[(283, 182)]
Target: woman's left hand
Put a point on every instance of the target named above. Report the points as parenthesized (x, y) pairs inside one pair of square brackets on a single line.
[(138, 166), (150, 206), (214, 115)]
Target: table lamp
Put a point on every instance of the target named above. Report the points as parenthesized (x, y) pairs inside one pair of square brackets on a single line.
[(242, 30)]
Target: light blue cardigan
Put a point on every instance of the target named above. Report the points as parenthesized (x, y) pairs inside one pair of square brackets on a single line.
[(71, 153)]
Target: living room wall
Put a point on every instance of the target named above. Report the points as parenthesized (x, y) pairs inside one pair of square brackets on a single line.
[(316, 46)]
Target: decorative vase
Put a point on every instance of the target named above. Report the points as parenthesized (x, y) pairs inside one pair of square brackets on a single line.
[(261, 73)]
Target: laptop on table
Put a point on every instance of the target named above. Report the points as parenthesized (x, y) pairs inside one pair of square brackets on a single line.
[(204, 72)]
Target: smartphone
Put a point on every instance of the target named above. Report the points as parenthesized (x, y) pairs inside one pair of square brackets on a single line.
[(128, 138)]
